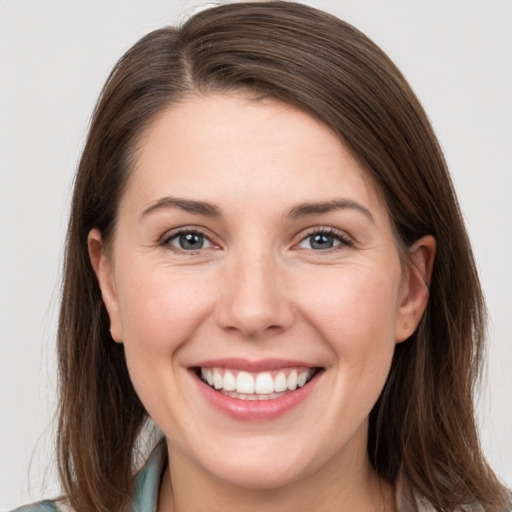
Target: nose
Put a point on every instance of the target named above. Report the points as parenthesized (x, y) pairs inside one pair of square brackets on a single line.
[(255, 301)]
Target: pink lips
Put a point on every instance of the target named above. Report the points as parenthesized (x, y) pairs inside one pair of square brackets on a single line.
[(257, 410), (254, 366)]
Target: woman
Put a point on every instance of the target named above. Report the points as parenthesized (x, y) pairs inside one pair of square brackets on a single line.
[(261, 258)]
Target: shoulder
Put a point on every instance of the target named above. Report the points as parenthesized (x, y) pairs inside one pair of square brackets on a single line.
[(147, 483), (41, 506), (46, 506)]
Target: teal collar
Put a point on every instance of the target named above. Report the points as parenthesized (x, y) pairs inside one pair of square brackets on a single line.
[(147, 481)]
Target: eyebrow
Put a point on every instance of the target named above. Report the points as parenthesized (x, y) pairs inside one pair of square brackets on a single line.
[(187, 205), (305, 209), (212, 210)]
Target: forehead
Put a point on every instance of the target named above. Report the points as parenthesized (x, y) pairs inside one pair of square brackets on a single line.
[(244, 149)]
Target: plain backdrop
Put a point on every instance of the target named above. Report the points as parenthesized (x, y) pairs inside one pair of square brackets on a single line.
[(54, 58)]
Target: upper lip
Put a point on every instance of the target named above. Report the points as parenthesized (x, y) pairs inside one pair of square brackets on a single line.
[(253, 365)]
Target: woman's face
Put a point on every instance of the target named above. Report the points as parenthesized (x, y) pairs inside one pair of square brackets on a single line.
[(251, 251)]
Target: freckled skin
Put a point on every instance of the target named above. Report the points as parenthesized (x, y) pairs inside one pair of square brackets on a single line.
[(258, 288)]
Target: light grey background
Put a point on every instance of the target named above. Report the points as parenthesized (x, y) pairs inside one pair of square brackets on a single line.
[(54, 57)]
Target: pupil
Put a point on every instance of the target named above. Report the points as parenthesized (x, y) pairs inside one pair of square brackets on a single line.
[(322, 241), (191, 241)]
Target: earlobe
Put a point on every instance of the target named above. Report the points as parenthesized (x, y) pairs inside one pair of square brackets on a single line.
[(416, 286), (104, 273)]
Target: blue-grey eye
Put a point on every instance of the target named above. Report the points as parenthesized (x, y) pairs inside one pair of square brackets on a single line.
[(189, 241), (321, 241)]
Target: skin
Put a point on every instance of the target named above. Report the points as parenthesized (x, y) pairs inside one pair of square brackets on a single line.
[(258, 289)]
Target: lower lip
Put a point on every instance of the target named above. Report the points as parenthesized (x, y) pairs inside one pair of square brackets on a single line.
[(255, 410)]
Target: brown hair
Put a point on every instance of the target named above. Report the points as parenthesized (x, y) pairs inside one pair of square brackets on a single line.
[(423, 425)]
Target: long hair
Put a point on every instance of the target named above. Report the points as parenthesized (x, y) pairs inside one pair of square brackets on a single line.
[(423, 426)]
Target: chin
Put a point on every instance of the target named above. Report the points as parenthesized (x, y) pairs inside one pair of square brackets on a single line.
[(265, 468), (258, 476)]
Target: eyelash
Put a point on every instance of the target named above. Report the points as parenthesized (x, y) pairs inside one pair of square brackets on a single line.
[(340, 236), (181, 232), (343, 239)]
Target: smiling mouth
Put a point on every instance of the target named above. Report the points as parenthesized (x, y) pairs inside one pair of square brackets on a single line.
[(267, 385)]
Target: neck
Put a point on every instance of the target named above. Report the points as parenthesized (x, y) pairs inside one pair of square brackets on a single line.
[(186, 487)]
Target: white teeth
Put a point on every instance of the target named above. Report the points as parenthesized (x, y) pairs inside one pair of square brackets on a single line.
[(218, 381), (229, 382), (261, 386), (292, 380), (303, 377), (243, 396), (280, 383), (244, 383), (264, 384)]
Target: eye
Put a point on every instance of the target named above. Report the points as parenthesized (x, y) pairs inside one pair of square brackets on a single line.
[(188, 241), (322, 240)]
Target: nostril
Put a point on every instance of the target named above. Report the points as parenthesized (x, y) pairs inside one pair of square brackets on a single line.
[(254, 304)]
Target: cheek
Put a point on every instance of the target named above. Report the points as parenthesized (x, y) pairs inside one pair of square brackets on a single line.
[(160, 309), (356, 317), (360, 330), (356, 310)]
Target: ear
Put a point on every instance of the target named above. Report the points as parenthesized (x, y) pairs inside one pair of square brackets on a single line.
[(104, 272), (415, 287)]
